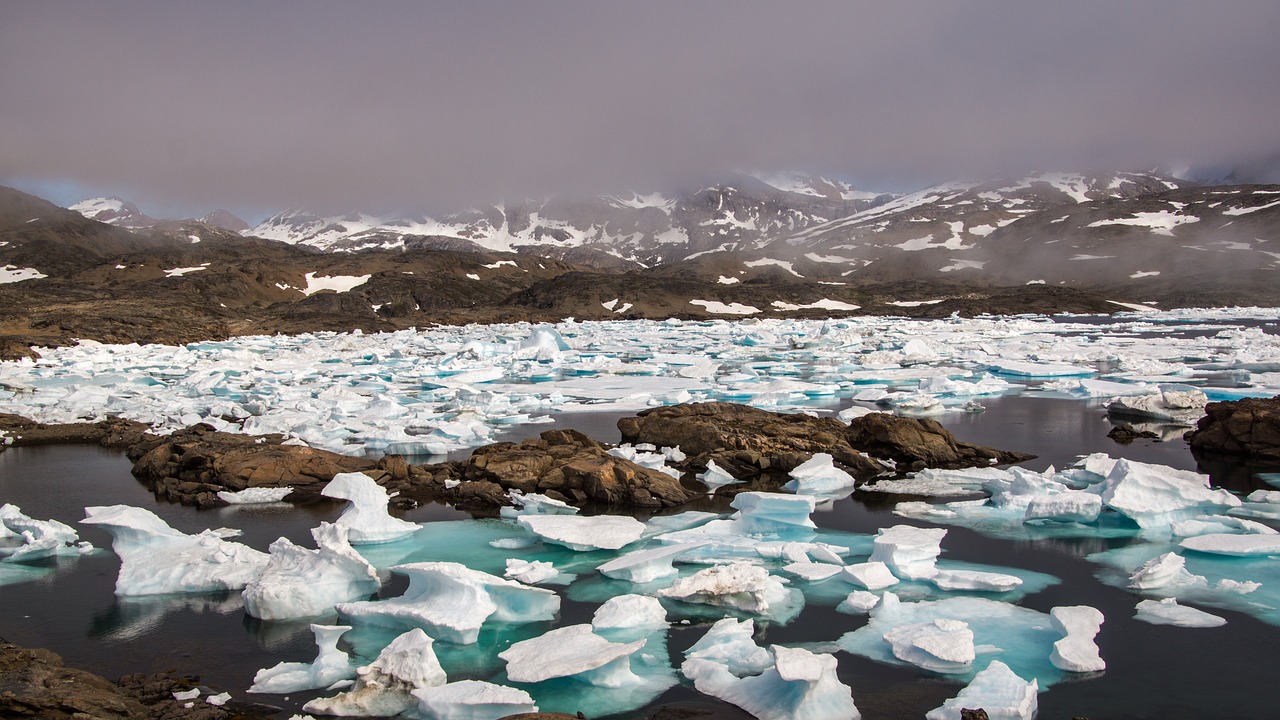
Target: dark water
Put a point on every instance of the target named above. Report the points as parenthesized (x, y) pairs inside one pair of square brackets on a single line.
[(1153, 671)]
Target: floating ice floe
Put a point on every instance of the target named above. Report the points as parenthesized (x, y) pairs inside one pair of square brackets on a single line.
[(819, 476), (1183, 407), (716, 477), (998, 691), (155, 558), (599, 532), (938, 483), (1077, 651), (366, 517), (643, 566), (530, 572), (573, 651), (799, 684), (330, 666), (1169, 612), (911, 553), (1156, 495), (941, 645), (740, 586), (729, 643), (1163, 571), (1231, 544), (450, 602), (534, 504), (873, 575), (630, 613), (858, 602), (385, 686), (472, 700), (254, 495), (40, 538), (298, 582)]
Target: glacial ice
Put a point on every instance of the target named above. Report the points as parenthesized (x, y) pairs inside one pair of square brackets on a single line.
[(819, 476), (740, 586), (366, 517), (628, 613), (1169, 612), (762, 513), (1155, 495), (911, 553), (941, 645), (530, 572), (471, 700), (729, 642), (385, 686), (799, 684), (572, 651), (1183, 407), (582, 533), (1076, 651), (330, 666), (451, 601), (647, 565), (298, 582), (155, 558), (997, 690), (40, 538)]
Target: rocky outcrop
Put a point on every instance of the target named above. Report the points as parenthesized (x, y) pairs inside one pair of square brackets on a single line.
[(112, 433), (750, 442), (1240, 427)]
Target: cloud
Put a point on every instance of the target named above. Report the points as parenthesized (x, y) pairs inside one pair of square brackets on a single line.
[(405, 105)]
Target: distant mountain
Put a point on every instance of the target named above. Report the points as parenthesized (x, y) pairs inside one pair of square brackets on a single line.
[(114, 211), (225, 220)]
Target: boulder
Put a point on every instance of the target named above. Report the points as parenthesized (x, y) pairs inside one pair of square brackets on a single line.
[(919, 443), (112, 432), (1240, 427)]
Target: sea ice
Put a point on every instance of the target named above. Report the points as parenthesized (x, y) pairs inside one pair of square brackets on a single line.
[(1169, 569), (812, 571), (535, 504), (870, 575), (1075, 506), (730, 643), (1183, 407), (366, 517), (998, 691), (974, 580), (330, 666), (939, 483), (716, 477), (298, 582), (910, 552), (254, 495), (1077, 651), (1232, 544), (530, 572), (630, 612), (40, 538), (572, 651), (1156, 495), (1169, 612), (799, 684), (819, 476), (858, 602), (642, 566), (472, 700), (942, 645), (384, 687), (762, 512), (741, 586), (451, 601), (596, 532), (155, 558)]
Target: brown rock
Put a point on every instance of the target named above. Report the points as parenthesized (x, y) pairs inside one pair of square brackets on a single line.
[(918, 443), (1240, 427)]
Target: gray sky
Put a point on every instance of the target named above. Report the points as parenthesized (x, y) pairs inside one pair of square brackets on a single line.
[(257, 106)]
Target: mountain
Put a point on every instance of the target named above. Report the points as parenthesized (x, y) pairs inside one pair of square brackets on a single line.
[(113, 211)]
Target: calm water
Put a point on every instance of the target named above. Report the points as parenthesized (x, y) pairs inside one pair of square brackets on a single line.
[(1153, 671)]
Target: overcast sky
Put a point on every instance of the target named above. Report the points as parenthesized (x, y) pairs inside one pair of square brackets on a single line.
[(257, 106)]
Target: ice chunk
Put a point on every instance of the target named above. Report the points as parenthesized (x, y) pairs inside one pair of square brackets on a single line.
[(858, 602), (642, 566), (530, 572), (384, 687), (298, 582), (254, 495), (630, 612), (472, 700), (572, 651), (1156, 495), (745, 587), (942, 645), (1074, 506), (451, 601), (716, 477), (330, 666), (819, 476), (729, 643), (870, 575), (1232, 544), (976, 580), (366, 516), (800, 684), (40, 538), (535, 504), (1076, 651), (812, 571), (1183, 407), (1162, 571), (939, 483), (762, 512), (1169, 612), (597, 532), (998, 691), (910, 552), (155, 558)]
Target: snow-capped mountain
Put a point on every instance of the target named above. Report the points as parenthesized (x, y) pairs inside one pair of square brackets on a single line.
[(114, 211)]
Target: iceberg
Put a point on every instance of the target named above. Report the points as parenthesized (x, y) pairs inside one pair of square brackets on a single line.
[(812, 571), (741, 586), (998, 691), (776, 513), (1155, 495), (1076, 506), (299, 583), (1169, 612), (534, 504), (472, 700), (254, 495), (799, 684), (451, 601), (1162, 571), (643, 566), (729, 643), (974, 580), (1183, 407), (1233, 544), (597, 532), (40, 538), (573, 651), (942, 645), (716, 477), (385, 686), (819, 476), (155, 558), (530, 572), (366, 517), (630, 613), (911, 553), (330, 666), (858, 602), (1076, 651), (870, 575)]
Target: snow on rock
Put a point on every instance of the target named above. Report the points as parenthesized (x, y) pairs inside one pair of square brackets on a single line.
[(819, 476), (254, 495), (336, 283), (1233, 544), (730, 643), (1164, 571), (799, 684), (530, 572), (598, 532), (1077, 651), (472, 700), (741, 586), (910, 552), (1156, 495), (366, 517), (998, 691), (630, 612), (1183, 407), (1169, 612), (330, 666), (298, 582), (942, 645), (451, 601), (385, 686), (155, 558), (643, 566), (573, 651)]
